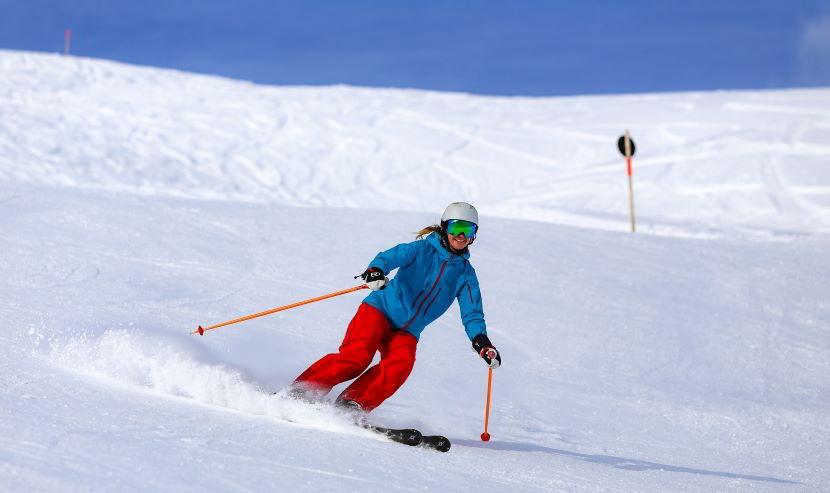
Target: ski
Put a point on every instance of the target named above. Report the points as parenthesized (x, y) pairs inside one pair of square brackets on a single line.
[(405, 436), (413, 437), (436, 442)]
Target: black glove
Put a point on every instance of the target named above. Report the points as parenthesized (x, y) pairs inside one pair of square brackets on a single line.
[(485, 349), (375, 278)]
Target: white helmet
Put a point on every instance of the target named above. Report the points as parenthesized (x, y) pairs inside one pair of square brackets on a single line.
[(460, 210)]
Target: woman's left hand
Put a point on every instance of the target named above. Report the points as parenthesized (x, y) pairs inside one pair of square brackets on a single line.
[(486, 350)]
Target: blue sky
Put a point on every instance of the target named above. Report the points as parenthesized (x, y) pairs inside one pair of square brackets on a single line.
[(511, 47)]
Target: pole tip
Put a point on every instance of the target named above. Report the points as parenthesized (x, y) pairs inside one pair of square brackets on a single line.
[(201, 331), (485, 437)]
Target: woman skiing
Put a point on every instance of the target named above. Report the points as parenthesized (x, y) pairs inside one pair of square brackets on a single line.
[(432, 272)]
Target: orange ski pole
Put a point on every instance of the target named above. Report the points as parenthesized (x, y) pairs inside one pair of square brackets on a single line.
[(485, 437), (201, 330)]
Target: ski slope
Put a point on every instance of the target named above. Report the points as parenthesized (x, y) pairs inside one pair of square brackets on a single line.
[(138, 203), (708, 164)]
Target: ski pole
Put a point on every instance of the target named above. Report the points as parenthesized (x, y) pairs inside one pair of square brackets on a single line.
[(485, 437), (201, 330)]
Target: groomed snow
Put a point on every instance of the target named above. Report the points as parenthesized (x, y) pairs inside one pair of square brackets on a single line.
[(136, 204), (707, 164)]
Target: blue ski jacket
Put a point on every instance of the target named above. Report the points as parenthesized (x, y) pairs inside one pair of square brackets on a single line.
[(429, 278)]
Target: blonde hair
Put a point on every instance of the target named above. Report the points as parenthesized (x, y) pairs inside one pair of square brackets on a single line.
[(435, 228)]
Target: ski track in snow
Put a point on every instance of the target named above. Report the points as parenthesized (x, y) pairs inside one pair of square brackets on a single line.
[(707, 164), (139, 203)]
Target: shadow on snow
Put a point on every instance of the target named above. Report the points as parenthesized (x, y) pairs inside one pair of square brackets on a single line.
[(617, 462)]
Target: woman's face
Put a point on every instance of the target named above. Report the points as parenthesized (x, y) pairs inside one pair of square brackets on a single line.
[(459, 242)]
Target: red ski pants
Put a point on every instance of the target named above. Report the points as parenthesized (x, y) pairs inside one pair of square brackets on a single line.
[(368, 332)]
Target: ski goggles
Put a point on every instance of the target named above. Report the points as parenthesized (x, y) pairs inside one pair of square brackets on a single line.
[(457, 227)]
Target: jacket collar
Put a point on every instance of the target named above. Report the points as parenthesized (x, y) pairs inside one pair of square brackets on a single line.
[(435, 240)]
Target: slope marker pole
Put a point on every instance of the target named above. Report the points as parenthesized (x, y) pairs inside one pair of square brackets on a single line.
[(626, 146), (67, 41)]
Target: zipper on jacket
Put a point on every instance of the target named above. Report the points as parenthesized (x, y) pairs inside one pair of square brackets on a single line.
[(416, 298), (440, 273), (433, 300)]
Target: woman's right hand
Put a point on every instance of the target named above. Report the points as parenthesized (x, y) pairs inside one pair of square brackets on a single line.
[(375, 278)]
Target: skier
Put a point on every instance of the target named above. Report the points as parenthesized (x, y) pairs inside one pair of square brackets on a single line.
[(432, 272)]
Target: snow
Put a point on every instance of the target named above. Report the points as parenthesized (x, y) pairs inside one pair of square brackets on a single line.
[(138, 203), (707, 164)]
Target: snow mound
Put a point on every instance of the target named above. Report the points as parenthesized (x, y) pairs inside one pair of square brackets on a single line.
[(707, 164)]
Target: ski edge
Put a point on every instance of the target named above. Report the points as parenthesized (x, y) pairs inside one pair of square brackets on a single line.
[(413, 438)]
